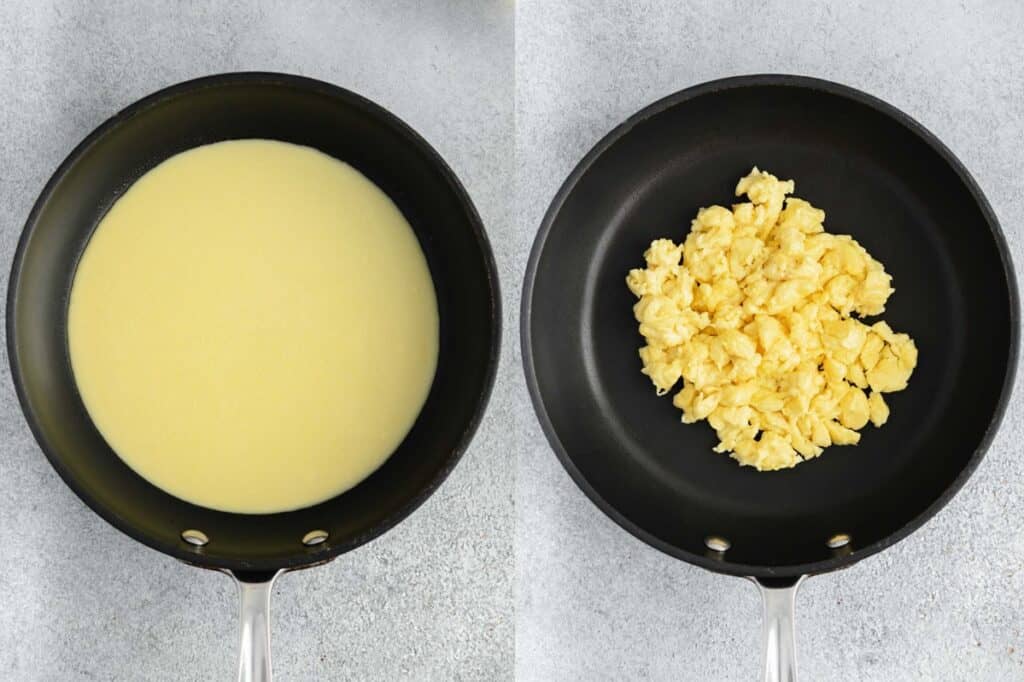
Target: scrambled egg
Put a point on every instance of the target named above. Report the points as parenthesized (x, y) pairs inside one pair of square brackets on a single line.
[(753, 313)]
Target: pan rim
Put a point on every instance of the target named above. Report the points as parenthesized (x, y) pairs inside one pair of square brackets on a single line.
[(302, 557), (732, 83)]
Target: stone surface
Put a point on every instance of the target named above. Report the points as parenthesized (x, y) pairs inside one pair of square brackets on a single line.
[(592, 602), (431, 600)]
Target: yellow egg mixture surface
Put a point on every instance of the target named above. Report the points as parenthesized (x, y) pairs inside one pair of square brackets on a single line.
[(253, 326), (753, 313)]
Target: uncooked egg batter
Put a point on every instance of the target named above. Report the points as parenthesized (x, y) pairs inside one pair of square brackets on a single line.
[(253, 326)]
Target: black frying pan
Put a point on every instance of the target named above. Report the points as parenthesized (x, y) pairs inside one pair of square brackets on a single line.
[(255, 548), (881, 177)]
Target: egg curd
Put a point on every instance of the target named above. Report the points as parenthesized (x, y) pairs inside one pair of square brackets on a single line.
[(753, 313)]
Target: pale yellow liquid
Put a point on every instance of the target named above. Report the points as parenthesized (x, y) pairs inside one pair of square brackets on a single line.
[(253, 327)]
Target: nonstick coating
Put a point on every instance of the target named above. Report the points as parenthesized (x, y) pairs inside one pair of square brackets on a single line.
[(291, 109), (880, 177)]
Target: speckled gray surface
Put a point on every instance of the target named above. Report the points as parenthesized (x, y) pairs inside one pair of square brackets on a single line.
[(592, 602), (431, 600)]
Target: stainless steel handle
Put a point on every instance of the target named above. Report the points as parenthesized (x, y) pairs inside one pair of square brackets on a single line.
[(779, 596), (254, 654)]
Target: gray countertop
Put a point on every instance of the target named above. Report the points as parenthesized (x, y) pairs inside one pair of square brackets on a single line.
[(430, 600), (508, 567), (592, 602)]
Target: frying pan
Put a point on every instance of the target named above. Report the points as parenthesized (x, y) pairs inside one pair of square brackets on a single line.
[(879, 176), (255, 549)]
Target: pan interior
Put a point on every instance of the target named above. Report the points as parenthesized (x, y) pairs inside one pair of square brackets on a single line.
[(876, 179), (302, 112)]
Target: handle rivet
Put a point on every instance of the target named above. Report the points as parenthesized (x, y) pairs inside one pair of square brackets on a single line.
[(717, 543), (314, 537), (194, 537), (838, 540)]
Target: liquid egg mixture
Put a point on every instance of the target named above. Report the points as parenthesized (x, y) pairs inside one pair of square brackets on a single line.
[(253, 326)]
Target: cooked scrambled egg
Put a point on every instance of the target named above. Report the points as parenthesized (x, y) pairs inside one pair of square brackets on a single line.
[(753, 313)]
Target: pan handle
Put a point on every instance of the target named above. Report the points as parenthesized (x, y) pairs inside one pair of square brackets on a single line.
[(254, 596), (779, 595)]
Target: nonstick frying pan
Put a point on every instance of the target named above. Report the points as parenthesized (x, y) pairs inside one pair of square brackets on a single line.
[(879, 176), (253, 548)]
